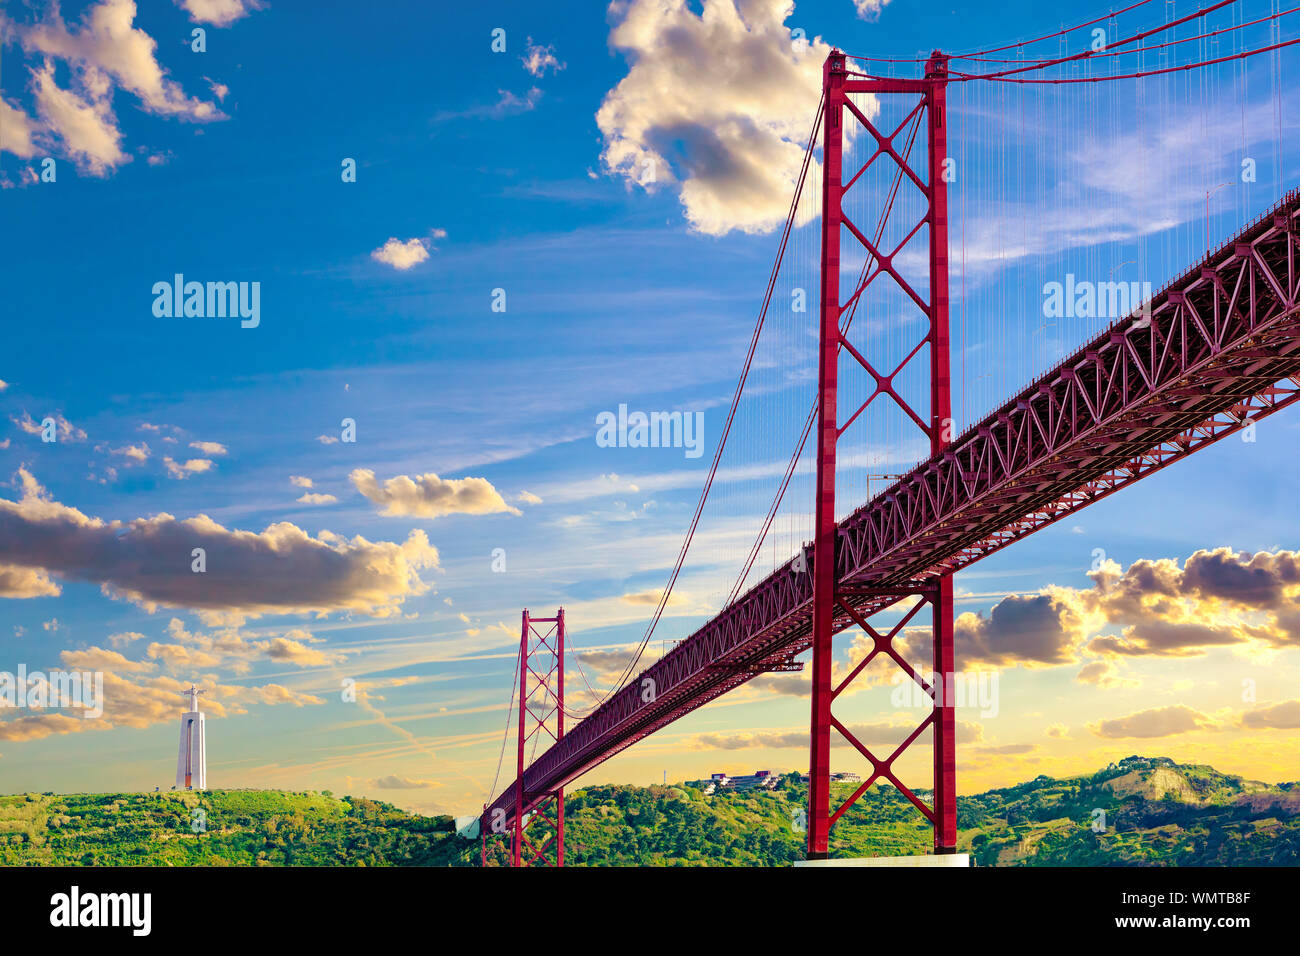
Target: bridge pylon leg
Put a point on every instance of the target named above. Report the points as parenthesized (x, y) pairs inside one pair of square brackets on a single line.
[(836, 603), (537, 828)]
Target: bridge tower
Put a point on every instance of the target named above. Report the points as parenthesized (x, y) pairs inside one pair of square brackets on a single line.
[(537, 830), (830, 612)]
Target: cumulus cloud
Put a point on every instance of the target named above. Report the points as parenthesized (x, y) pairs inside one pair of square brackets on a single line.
[(1218, 598), (312, 498), (282, 569), (300, 481), (219, 13), (84, 122), (139, 702), (101, 659), (214, 448), (135, 453), (65, 430), (104, 52), (402, 254), (107, 43), (528, 498), (734, 152), (428, 496), (607, 666), (869, 9), (26, 583), (295, 652), (1026, 630), (1103, 673), (183, 470), (1157, 722), (188, 651), (18, 131), (1281, 716)]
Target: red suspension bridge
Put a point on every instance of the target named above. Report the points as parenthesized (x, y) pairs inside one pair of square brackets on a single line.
[(1207, 355)]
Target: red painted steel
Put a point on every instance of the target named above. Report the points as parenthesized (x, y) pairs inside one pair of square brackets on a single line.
[(1218, 351), (541, 657), (944, 818), (1215, 351), (828, 603), (823, 566)]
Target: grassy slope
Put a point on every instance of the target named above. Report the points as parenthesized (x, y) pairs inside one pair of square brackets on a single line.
[(1156, 812)]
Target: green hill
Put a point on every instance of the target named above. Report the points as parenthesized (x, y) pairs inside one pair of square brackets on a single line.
[(235, 828), (1156, 812)]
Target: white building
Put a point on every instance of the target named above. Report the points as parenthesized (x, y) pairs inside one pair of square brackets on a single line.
[(192, 759)]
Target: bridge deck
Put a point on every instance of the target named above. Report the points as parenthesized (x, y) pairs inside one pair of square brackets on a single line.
[(1220, 349)]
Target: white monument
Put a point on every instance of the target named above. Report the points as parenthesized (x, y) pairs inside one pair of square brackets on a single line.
[(192, 761)]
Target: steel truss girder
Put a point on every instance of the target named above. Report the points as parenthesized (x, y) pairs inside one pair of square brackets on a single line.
[(1219, 351)]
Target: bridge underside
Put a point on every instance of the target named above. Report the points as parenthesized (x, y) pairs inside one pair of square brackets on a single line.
[(1216, 351)]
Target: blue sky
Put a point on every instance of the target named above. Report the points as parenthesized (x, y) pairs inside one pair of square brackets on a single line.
[(520, 171)]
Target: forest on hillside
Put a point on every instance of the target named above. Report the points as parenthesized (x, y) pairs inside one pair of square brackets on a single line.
[(1143, 811)]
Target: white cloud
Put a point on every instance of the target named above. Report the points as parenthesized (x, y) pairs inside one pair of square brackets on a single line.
[(181, 471), (86, 125), (220, 13), (428, 496), (209, 447), (311, 498), (869, 9), (717, 103), (108, 43), (280, 570), (17, 132), (402, 255), (18, 582), (137, 453), (537, 59), (299, 481), (105, 51), (63, 428)]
